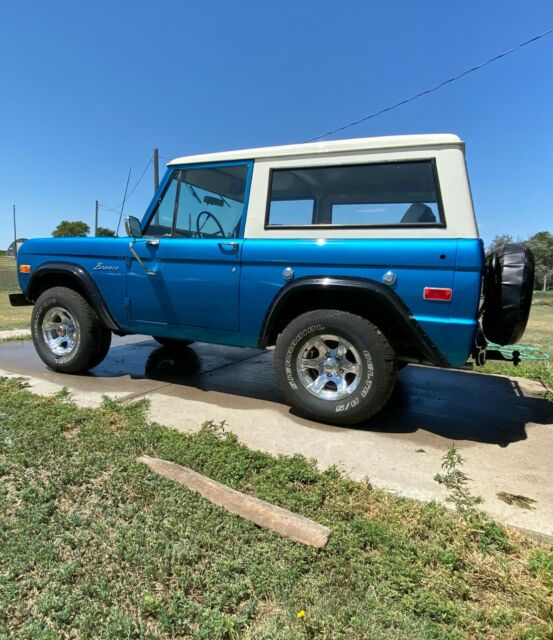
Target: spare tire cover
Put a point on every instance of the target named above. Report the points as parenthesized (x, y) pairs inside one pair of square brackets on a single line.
[(508, 288)]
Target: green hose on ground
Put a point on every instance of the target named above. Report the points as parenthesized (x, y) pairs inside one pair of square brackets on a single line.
[(526, 351)]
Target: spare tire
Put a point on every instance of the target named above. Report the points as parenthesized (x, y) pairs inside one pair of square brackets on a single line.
[(508, 289)]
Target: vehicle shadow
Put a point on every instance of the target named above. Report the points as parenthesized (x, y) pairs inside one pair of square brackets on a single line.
[(452, 404), (461, 405)]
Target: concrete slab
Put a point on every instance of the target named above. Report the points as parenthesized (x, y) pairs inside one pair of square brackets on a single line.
[(503, 431)]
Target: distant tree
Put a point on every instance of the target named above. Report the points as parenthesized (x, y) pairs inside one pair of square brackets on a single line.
[(541, 244), (105, 233), (498, 243), (68, 229)]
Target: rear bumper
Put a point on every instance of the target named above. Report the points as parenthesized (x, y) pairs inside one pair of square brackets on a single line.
[(19, 300)]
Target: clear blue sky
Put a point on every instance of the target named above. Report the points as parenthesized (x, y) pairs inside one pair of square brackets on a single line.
[(88, 89)]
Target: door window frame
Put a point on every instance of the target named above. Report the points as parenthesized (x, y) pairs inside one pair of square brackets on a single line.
[(440, 223), (167, 178)]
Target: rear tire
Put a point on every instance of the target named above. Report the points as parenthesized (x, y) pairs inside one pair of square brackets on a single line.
[(67, 334), (335, 367)]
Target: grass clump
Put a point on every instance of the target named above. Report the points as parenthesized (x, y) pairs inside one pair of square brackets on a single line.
[(486, 533), (93, 545)]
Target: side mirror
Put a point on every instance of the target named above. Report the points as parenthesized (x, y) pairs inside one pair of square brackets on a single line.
[(132, 227)]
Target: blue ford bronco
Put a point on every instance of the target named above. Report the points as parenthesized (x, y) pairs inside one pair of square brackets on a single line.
[(351, 258)]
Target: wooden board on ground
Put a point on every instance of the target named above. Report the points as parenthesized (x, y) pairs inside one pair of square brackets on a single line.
[(262, 513)]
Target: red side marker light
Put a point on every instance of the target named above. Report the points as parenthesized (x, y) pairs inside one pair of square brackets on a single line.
[(433, 293)]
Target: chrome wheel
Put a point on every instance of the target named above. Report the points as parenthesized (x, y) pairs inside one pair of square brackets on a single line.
[(59, 331), (329, 367)]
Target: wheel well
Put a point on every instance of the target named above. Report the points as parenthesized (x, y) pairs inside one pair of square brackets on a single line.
[(49, 280), (63, 278), (365, 303)]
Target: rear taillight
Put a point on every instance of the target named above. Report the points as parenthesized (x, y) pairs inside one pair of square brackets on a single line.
[(433, 293)]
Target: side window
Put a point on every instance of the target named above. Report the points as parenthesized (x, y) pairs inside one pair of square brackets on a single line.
[(387, 214), (384, 194), (290, 212), (202, 203)]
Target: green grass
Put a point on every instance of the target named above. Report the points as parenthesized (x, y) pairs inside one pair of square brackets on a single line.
[(11, 317), (543, 298), (93, 545), (8, 275)]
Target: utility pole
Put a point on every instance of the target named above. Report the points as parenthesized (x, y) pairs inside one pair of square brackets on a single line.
[(156, 169), (96, 220), (14, 233)]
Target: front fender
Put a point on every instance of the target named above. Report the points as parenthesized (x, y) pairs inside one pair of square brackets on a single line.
[(82, 278)]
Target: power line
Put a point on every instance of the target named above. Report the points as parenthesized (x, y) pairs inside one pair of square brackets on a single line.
[(108, 208), (436, 87), (117, 208)]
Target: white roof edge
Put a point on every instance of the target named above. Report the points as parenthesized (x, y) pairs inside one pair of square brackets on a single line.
[(332, 146)]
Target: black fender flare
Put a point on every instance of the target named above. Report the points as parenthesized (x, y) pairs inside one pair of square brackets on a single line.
[(85, 280), (386, 296)]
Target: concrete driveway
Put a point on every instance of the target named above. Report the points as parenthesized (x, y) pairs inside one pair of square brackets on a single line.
[(503, 431)]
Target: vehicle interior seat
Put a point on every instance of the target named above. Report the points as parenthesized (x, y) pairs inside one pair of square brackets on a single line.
[(418, 212)]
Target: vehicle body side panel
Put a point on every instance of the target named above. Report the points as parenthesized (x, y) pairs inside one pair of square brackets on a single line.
[(417, 264), (467, 284)]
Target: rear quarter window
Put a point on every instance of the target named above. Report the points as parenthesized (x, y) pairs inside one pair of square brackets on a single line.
[(366, 195)]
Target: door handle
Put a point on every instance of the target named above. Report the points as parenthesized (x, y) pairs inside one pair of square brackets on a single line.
[(150, 272), (230, 246), (153, 242)]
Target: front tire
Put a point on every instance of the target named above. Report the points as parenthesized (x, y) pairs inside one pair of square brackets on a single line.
[(335, 367), (67, 334), (102, 347)]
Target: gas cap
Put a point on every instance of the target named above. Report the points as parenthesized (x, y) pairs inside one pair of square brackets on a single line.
[(389, 278)]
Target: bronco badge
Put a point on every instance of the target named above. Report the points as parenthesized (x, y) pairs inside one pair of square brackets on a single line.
[(100, 266)]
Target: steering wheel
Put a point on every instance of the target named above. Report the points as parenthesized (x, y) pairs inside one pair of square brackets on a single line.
[(199, 226)]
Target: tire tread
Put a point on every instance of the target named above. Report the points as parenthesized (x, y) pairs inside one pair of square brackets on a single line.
[(388, 376), (95, 338)]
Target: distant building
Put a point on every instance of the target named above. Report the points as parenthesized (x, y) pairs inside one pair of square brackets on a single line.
[(16, 244)]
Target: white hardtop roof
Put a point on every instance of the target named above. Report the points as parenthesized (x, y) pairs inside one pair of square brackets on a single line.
[(332, 146)]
